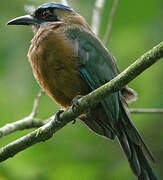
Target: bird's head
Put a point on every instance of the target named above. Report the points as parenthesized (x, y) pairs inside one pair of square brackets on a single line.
[(46, 13)]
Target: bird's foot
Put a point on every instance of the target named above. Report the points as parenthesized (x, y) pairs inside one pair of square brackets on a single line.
[(57, 116), (75, 104)]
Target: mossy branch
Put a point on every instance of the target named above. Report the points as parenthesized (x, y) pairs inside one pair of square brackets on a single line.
[(46, 131)]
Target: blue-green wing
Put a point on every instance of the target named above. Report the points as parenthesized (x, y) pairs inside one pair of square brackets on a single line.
[(96, 66)]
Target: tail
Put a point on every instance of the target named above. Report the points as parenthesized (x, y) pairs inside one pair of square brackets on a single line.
[(134, 148), (132, 144)]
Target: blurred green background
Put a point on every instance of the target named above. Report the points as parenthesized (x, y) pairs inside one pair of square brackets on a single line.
[(75, 153)]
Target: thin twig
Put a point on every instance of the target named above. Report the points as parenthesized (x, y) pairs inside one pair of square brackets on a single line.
[(110, 22), (27, 122), (146, 111), (96, 18), (36, 104), (45, 132)]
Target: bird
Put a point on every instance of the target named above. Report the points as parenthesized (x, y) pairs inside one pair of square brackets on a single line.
[(68, 60)]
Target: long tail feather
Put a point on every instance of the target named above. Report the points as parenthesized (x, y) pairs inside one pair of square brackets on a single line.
[(134, 148)]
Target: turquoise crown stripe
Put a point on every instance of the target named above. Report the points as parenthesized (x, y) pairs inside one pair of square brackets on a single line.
[(53, 5)]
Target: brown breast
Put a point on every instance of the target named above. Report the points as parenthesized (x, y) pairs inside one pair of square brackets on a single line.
[(54, 65)]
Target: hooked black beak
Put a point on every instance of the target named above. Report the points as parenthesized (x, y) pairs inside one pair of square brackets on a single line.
[(24, 20)]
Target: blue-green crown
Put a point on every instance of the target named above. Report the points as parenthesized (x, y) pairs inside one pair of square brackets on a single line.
[(58, 6)]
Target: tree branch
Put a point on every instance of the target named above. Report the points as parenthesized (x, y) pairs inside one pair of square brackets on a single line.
[(26, 123), (45, 132), (30, 122), (96, 18), (110, 21), (145, 111)]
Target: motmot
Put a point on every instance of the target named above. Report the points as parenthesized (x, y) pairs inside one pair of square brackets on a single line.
[(69, 60)]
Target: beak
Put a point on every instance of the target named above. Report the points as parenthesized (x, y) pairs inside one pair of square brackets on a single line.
[(24, 20)]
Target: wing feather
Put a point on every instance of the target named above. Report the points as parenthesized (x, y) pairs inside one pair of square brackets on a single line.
[(96, 66)]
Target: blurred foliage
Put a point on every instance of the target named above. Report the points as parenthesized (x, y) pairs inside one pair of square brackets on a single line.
[(75, 152)]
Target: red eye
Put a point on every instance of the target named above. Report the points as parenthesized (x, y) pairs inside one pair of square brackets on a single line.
[(46, 14)]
